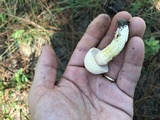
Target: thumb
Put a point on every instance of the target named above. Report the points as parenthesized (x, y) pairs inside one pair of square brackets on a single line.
[(45, 73), (45, 76)]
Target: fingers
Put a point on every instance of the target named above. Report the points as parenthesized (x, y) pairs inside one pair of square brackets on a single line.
[(45, 73), (131, 69), (136, 28), (94, 33), (112, 29), (116, 63)]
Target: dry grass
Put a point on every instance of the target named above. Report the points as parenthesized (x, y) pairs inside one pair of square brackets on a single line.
[(147, 98)]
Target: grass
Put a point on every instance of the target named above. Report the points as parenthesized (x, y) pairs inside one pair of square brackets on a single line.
[(26, 25)]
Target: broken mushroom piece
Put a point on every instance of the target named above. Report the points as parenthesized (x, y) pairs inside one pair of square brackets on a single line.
[(96, 61)]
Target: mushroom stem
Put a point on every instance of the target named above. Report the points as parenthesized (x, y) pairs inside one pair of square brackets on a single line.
[(116, 46), (96, 61)]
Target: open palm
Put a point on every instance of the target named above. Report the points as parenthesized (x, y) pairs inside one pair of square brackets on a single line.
[(80, 95)]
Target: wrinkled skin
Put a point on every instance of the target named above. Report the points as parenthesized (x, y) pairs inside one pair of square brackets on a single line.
[(80, 95)]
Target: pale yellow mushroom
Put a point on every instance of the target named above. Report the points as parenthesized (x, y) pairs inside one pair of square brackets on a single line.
[(96, 61)]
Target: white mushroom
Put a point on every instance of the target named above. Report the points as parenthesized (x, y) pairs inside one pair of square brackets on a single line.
[(96, 61)]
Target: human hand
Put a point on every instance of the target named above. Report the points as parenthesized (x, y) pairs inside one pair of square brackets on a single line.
[(80, 95)]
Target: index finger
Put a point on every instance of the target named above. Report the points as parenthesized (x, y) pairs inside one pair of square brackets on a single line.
[(93, 35)]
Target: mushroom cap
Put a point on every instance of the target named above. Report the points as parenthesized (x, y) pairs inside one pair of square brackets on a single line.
[(91, 65)]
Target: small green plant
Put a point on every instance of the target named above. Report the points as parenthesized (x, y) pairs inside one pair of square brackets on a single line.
[(16, 37), (2, 18), (136, 6), (151, 47), (19, 82), (18, 34), (21, 36), (20, 78)]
